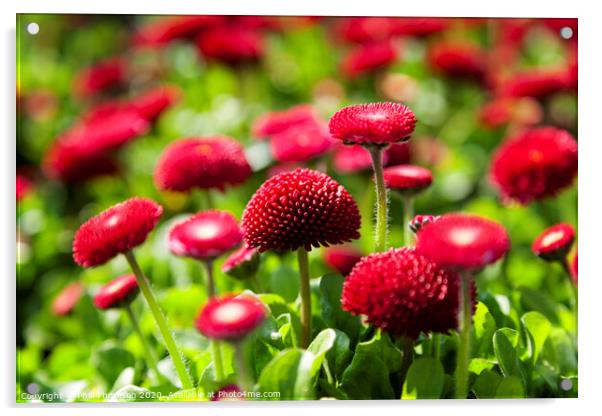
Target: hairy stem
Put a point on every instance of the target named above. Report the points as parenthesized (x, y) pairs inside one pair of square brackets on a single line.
[(303, 261), (465, 323), (170, 344), (216, 348), (380, 234), (151, 359), (245, 381)]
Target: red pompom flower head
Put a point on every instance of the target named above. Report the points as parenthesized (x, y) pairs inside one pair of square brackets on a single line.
[(205, 163), (242, 264), (205, 236), (299, 210), (300, 143), (115, 231), (420, 221), (117, 293), (369, 58), (408, 180), (403, 293), (275, 122), (458, 59), (230, 318), (554, 243), (108, 74), (302, 208), (341, 258), (67, 299), (535, 164), (373, 124), (463, 242)]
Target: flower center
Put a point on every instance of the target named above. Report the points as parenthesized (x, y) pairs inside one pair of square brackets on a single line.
[(463, 236), (112, 220), (207, 231), (552, 238), (229, 313)]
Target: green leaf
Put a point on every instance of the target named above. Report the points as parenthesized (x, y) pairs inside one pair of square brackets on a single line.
[(292, 373), (560, 352), (537, 328), (532, 299), (322, 343), (506, 353), (340, 355), (367, 377), (425, 379), (331, 286), (285, 282), (486, 383), (484, 326), (510, 388), (478, 365), (110, 361)]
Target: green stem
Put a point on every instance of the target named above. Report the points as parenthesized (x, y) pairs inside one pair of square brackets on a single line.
[(465, 323), (381, 198), (408, 213), (218, 361), (209, 280), (575, 301), (170, 344), (257, 284), (303, 261), (151, 359), (245, 381), (209, 199), (407, 349), (216, 348)]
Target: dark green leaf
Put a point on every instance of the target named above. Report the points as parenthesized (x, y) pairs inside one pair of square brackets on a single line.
[(425, 379)]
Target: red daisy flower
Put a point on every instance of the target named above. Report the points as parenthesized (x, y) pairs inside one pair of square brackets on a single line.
[(166, 29), (152, 103), (71, 161), (457, 59), (420, 221), (100, 77), (67, 300), (342, 259), (231, 44), (368, 58), (535, 164), (231, 392), (242, 264), (115, 230), (403, 293), (554, 243), (420, 26), (303, 208), (117, 293), (301, 143), (463, 242), (375, 123), (206, 163), (205, 236), (230, 318), (538, 83), (276, 122), (351, 158), (501, 111), (367, 29), (408, 179), (23, 186)]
